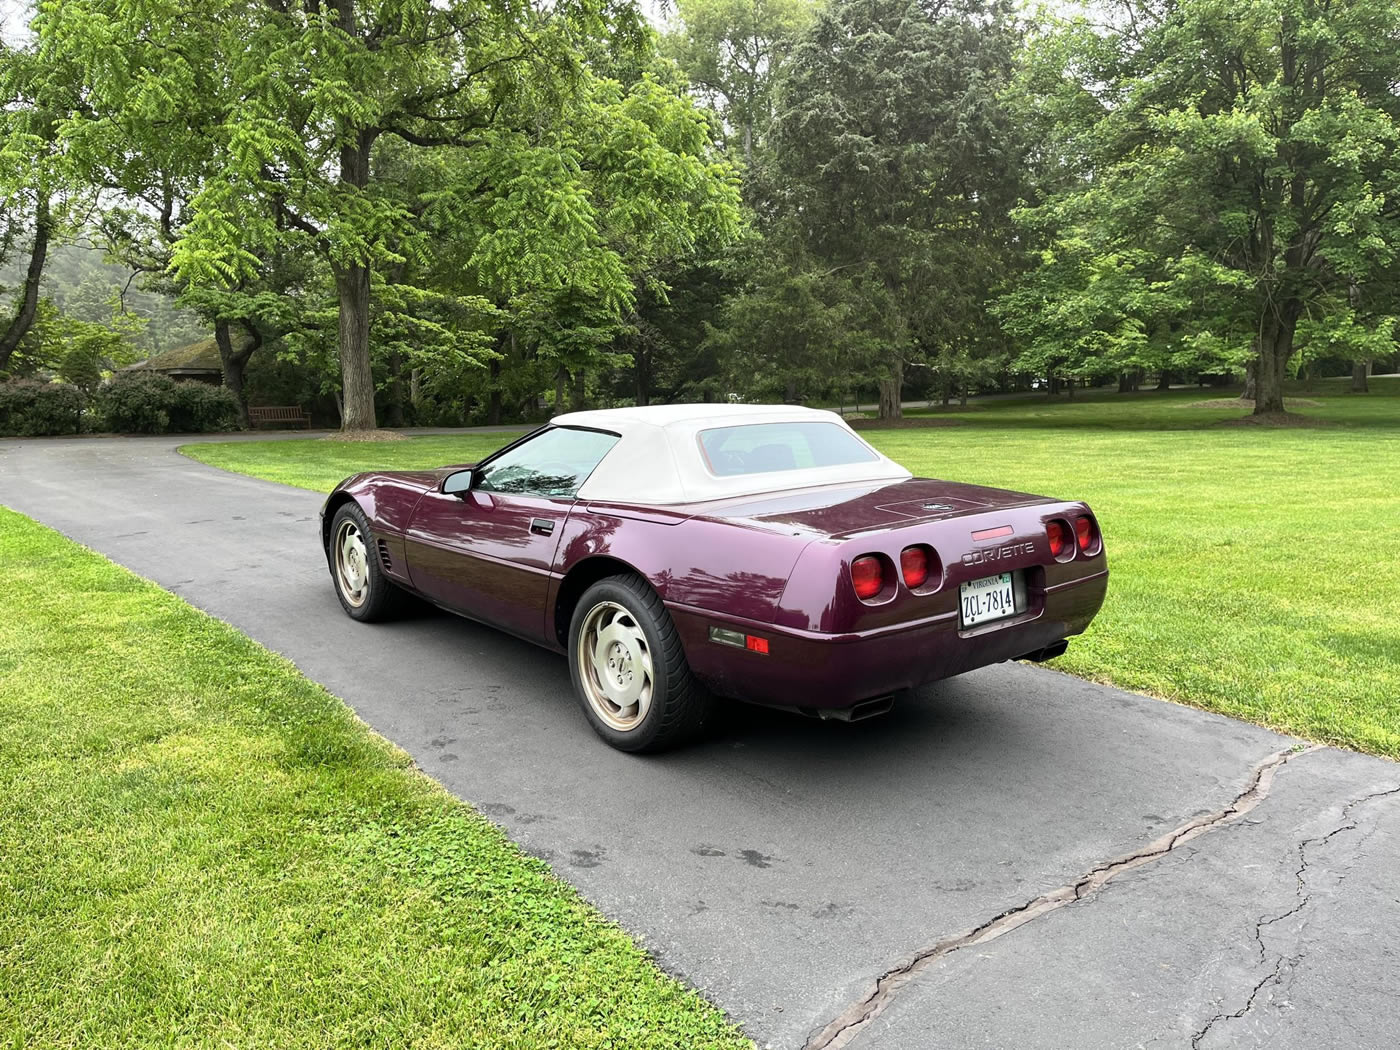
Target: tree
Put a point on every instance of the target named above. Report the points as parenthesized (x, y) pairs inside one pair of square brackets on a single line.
[(1237, 175), (511, 153), (30, 181), (733, 51), (894, 165)]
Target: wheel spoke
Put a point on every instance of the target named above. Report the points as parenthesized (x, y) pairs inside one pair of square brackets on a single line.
[(351, 564), (616, 667)]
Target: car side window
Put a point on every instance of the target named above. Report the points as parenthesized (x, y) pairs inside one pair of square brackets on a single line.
[(554, 463)]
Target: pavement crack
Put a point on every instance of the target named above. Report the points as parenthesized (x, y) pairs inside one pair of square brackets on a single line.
[(841, 1030), (1272, 976), (1302, 898)]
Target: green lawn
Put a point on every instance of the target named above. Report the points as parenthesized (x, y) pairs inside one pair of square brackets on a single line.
[(315, 463), (1254, 568), (201, 848)]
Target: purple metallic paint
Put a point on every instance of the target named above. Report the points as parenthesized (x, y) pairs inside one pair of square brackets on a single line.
[(777, 566)]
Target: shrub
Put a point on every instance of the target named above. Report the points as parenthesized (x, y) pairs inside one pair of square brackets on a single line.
[(30, 409), (199, 408), (150, 403), (137, 403)]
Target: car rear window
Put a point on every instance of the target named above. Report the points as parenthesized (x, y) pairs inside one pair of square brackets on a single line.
[(761, 448)]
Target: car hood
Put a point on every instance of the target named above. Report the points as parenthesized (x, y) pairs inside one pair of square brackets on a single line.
[(843, 511)]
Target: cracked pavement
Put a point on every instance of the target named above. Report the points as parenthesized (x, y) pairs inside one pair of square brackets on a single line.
[(1029, 859)]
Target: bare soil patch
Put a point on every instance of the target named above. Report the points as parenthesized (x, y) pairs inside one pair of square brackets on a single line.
[(1242, 404), (365, 435), (906, 423), (1275, 419)]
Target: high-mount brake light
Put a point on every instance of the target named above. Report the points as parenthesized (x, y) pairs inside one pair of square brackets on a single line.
[(1058, 535), (913, 563), (1084, 532), (868, 576)]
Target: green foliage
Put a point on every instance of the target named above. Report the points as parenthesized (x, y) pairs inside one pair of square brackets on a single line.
[(136, 403), (199, 408), (458, 168), (893, 165), (149, 403), (733, 52), (1215, 176), (31, 409)]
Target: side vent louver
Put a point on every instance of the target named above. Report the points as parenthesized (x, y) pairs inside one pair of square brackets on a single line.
[(384, 558)]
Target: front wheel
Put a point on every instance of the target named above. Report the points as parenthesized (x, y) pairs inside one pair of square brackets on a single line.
[(365, 593), (629, 670)]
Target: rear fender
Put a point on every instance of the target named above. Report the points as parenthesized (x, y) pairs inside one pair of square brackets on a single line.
[(703, 564)]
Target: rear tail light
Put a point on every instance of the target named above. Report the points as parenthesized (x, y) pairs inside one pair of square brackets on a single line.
[(1058, 535), (913, 564), (868, 576), (1085, 533)]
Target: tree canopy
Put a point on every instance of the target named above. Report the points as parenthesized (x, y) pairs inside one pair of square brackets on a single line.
[(443, 211), (1232, 185)]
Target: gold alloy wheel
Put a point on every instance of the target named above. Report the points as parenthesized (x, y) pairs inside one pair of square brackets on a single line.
[(615, 666), (351, 564)]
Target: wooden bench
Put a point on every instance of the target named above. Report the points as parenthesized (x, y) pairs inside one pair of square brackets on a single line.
[(281, 415)]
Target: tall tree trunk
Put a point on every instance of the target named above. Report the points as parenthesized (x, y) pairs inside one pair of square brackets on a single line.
[(352, 281), (1164, 381), (493, 401), (1275, 349), (580, 389), (891, 391), (1125, 383), (1251, 375), (396, 391), (1359, 371), (642, 366), (234, 362), (28, 307), (415, 389), (561, 377), (356, 376)]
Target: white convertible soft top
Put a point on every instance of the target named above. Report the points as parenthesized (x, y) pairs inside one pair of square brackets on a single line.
[(659, 459)]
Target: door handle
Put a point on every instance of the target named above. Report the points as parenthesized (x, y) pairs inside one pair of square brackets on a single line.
[(542, 526)]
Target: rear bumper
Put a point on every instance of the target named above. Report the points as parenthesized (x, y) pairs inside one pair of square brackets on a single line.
[(807, 669)]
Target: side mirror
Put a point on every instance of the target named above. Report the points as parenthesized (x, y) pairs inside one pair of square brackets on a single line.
[(460, 482)]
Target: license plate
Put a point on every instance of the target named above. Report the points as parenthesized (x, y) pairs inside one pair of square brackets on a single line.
[(990, 598)]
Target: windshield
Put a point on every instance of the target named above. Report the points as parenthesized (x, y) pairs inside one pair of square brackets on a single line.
[(760, 448)]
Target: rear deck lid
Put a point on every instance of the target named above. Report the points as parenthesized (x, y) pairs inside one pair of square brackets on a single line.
[(838, 512)]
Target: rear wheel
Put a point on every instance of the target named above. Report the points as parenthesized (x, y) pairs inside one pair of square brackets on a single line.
[(365, 593), (629, 669)]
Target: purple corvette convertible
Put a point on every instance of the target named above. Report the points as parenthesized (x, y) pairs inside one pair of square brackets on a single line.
[(684, 552)]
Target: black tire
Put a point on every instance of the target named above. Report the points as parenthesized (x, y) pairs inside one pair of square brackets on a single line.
[(679, 706), (379, 598)]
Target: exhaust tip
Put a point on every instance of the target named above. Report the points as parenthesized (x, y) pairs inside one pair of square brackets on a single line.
[(1048, 653), (859, 712)]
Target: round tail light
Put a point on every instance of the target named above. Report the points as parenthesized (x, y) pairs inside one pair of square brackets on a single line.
[(1085, 533), (1058, 535), (913, 564), (868, 576)]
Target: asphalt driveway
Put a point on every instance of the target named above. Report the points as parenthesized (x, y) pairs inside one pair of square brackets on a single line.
[(1015, 858)]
